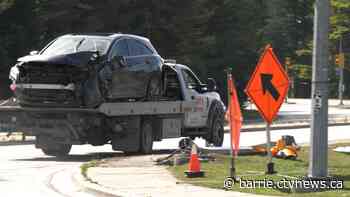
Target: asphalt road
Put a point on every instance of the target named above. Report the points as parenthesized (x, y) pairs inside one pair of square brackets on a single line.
[(300, 110), (26, 171)]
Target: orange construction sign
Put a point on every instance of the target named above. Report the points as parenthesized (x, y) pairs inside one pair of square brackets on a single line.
[(268, 85)]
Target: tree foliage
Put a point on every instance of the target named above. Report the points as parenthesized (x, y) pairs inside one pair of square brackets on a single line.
[(207, 35), (340, 20)]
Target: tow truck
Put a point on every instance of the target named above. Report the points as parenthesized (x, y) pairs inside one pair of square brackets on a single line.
[(191, 109)]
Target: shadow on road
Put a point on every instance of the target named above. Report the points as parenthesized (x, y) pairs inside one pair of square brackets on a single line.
[(76, 158), (89, 156), (16, 143)]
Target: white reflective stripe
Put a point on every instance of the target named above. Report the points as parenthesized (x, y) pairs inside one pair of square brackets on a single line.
[(46, 86)]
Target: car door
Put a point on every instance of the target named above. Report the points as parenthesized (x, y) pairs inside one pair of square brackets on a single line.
[(142, 65), (194, 92), (121, 85)]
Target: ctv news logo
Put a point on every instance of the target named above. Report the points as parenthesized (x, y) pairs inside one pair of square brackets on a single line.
[(285, 184)]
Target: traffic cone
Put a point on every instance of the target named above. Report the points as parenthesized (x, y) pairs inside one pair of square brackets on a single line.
[(194, 166)]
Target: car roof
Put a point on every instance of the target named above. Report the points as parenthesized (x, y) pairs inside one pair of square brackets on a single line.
[(111, 36)]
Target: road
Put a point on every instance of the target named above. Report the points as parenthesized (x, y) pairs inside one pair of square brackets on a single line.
[(300, 109), (26, 171)]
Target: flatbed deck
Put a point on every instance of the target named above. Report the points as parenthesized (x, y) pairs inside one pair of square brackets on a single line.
[(111, 109)]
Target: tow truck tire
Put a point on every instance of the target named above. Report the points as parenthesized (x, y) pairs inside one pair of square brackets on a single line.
[(57, 150), (216, 124), (146, 141)]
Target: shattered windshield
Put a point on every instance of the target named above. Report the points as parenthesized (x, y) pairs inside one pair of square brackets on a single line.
[(66, 45)]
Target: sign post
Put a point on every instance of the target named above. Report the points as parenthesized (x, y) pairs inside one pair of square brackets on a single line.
[(270, 165), (288, 64), (234, 117), (232, 162), (341, 66), (268, 88)]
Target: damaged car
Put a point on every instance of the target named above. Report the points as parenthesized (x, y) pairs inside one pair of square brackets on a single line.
[(78, 70)]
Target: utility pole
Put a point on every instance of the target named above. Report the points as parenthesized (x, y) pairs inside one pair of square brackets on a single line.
[(341, 72), (318, 165), (287, 64)]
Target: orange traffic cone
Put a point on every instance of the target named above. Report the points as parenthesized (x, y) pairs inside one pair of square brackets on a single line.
[(194, 166)]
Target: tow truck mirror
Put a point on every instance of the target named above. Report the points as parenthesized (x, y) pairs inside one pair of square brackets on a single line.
[(119, 61), (212, 85), (34, 53)]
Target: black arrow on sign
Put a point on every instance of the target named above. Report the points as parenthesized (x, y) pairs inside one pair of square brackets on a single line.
[(268, 86)]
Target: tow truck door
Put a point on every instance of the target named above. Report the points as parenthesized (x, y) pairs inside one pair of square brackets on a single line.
[(196, 110)]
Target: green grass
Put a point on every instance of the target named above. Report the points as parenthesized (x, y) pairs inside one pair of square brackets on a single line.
[(85, 167), (253, 167)]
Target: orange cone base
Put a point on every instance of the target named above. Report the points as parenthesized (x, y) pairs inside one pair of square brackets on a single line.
[(194, 174)]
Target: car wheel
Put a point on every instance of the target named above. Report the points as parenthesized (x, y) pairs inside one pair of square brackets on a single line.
[(57, 150), (146, 141), (216, 125)]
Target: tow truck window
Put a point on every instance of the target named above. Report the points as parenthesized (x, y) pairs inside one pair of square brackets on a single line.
[(190, 80)]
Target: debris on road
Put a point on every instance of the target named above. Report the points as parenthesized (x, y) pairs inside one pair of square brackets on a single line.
[(285, 148), (182, 155)]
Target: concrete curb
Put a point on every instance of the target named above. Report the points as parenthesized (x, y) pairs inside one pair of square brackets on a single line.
[(93, 188)]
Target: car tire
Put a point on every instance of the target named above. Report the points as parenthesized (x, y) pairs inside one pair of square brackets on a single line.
[(216, 125), (146, 137), (57, 150)]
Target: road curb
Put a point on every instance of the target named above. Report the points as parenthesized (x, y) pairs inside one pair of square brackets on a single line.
[(293, 125), (93, 188)]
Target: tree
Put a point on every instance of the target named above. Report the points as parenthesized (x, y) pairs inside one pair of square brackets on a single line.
[(18, 35), (340, 20)]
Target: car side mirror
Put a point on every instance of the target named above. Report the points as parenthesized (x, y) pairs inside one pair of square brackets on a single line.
[(34, 53), (119, 61), (212, 87)]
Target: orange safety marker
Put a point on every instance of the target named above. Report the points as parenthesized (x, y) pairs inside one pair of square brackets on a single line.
[(194, 166)]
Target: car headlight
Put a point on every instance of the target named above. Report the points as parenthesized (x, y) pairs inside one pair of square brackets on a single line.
[(14, 72)]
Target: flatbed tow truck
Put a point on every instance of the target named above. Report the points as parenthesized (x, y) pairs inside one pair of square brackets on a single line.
[(196, 110)]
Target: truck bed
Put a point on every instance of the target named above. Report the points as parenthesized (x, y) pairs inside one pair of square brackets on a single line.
[(108, 109)]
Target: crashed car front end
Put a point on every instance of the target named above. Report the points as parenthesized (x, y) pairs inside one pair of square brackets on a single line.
[(52, 81)]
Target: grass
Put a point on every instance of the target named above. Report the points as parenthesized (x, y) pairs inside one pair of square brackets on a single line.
[(253, 168), (85, 167)]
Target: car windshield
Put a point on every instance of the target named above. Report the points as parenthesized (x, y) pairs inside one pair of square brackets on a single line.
[(66, 45)]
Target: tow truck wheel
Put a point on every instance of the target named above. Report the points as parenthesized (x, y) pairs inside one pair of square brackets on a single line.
[(217, 125), (146, 141), (218, 133), (57, 150)]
